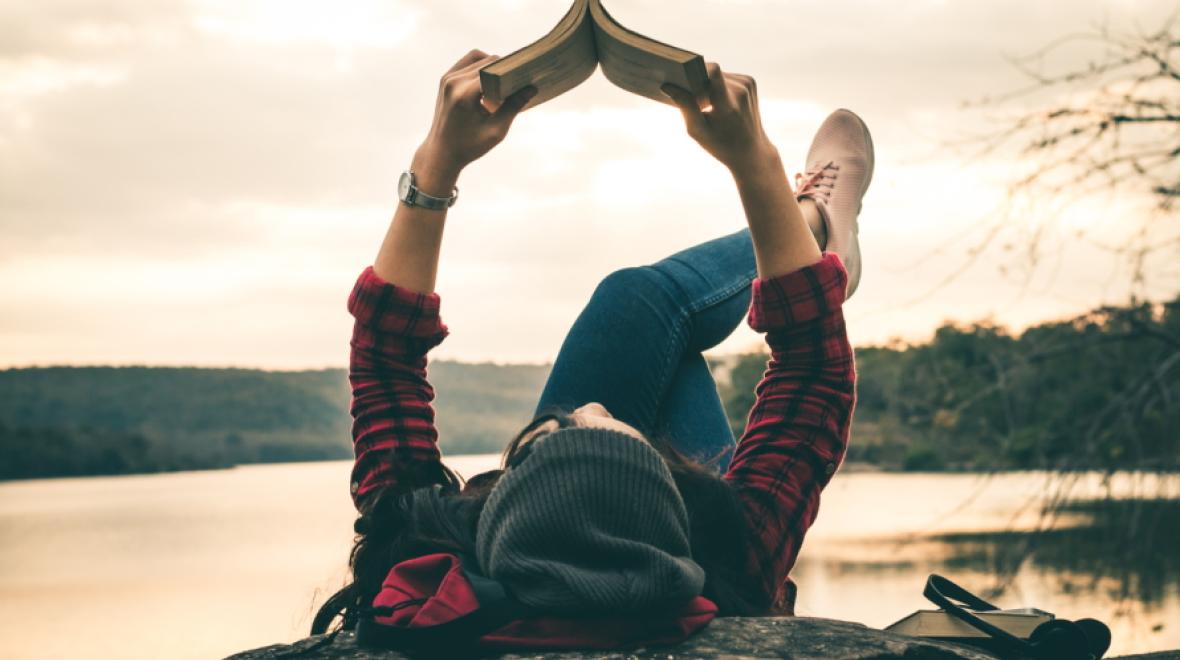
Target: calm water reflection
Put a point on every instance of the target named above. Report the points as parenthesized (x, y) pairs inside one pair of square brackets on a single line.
[(202, 564)]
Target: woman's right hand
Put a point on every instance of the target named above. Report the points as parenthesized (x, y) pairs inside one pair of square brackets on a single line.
[(464, 129), (731, 130)]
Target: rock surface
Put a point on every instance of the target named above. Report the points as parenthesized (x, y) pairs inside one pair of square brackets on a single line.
[(797, 638)]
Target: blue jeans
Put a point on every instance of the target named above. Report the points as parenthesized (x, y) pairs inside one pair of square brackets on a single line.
[(636, 347)]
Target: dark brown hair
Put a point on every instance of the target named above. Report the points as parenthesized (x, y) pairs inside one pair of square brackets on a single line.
[(433, 510)]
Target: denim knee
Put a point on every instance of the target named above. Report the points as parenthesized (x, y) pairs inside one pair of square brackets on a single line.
[(633, 283)]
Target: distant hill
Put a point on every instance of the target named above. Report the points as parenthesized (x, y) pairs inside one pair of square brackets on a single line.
[(62, 421), (1100, 391)]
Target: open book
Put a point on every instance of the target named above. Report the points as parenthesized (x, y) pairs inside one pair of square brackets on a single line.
[(568, 55)]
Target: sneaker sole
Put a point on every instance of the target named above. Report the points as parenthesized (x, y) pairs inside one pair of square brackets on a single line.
[(872, 162), (872, 157)]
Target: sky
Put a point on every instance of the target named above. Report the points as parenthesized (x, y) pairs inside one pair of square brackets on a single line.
[(199, 182)]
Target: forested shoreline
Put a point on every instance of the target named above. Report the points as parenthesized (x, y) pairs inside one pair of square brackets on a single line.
[(1100, 391), (1097, 392)]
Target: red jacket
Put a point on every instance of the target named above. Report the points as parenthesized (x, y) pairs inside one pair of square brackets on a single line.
[(795, 438)]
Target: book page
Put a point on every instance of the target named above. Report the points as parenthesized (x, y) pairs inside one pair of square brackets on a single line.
[(642, 65), (555, 64)]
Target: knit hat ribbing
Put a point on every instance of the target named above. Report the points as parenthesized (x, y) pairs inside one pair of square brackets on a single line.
[(590, 521)]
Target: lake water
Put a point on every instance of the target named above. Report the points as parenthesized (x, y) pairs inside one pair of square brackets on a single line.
[(204, 564)]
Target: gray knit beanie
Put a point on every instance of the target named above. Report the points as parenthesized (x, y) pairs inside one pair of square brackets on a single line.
[(590, 521)]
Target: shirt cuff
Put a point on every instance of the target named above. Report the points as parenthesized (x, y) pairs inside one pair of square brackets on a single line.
[(388, 308), (799, 296)]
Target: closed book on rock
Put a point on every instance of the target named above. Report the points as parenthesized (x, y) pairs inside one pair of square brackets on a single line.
[(968, 619), (943, 625)]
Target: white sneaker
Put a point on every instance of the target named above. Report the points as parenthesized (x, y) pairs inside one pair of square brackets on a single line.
[(839, 169)]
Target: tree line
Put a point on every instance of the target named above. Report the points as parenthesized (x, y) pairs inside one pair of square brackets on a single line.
[(1100, 391), (70, 421)]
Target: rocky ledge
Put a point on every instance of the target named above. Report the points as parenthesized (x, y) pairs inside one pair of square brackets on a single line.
[(797, 638)]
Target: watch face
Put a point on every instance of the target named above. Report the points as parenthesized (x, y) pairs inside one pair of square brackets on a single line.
[(403, 186)]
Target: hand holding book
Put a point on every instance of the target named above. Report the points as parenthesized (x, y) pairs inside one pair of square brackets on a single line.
[(588, 36), (730, 129), (464, 129)]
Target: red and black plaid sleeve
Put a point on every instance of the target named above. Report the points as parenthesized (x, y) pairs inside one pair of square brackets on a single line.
[(393, 432), (797, 431)]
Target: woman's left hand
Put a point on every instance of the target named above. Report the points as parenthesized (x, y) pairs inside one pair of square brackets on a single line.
[(463, 129)]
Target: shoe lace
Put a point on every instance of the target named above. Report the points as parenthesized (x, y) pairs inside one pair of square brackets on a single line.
[(817, 183)]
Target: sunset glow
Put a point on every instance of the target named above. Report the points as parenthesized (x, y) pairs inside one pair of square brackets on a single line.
[(199, 182)]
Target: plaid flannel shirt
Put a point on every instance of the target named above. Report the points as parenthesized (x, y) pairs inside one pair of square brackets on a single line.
[(795, 437)]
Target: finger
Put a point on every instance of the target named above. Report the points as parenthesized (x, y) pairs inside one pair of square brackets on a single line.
[(741, 95), (476, 65), (693, 118), (469, 93), (464, 77), (749, 83), (718, 88), (459, 77), (751, 89), (457, 89), (512, 106), (739, 91), (454, 84), (473, 56)]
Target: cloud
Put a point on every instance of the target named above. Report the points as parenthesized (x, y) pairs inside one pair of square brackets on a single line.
[(37, 76), (378, 24), (246, 153)]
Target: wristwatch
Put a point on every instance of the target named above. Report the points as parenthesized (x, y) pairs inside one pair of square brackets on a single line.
[(407, 191)]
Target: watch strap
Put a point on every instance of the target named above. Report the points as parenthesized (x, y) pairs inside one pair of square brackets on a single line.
[(415, 197)]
